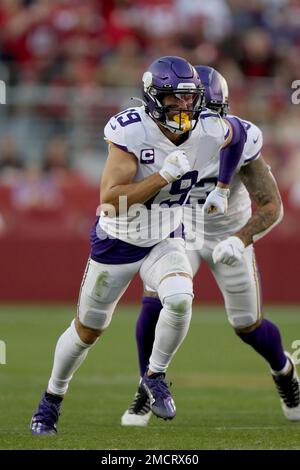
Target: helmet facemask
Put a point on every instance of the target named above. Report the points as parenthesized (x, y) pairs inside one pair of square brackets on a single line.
[(219, 107)]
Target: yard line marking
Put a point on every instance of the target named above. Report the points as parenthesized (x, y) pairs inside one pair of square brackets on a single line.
[(224, 428)]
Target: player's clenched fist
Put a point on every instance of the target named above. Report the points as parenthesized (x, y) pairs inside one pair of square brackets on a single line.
[(229, 251), (216, 202), (175, 166)]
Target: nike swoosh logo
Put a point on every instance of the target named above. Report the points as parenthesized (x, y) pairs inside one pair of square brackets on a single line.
[(255, 140), (115, 127)]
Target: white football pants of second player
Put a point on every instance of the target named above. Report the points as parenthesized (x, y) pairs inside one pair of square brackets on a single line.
[(239, 284)]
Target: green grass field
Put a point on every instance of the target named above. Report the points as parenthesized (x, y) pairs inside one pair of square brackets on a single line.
[(224, 394)]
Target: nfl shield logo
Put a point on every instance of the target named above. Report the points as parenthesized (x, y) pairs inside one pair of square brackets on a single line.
[(147, 156)]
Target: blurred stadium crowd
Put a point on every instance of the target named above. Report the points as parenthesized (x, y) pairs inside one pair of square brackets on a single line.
[(70, 64)]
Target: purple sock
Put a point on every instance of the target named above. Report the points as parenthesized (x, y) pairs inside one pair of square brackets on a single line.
[(266, 340), (145, 330)]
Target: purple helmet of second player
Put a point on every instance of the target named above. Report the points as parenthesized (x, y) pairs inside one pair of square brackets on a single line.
[(216, 89)]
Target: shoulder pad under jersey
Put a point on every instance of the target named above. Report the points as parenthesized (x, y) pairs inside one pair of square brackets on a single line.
[(213, 125), (125, 129)]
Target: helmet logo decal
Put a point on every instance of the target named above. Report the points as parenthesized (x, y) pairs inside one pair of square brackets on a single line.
[(147, 80)]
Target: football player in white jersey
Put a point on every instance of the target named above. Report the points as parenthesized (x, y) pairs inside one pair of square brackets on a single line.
[(157, 152), (226, 244)]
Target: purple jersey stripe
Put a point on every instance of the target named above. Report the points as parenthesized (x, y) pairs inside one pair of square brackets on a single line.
[(204, 116)]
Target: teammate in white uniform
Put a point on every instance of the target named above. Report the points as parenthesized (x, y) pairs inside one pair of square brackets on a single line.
[(156, 154), (226, 244)]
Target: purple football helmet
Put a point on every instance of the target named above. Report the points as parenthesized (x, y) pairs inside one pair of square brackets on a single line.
[(216, 89), (175, 76)]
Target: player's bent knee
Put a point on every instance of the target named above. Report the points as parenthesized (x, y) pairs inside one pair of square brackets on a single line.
[(175, 284), (95, 318), (86, 334), (249, 328), (244, 321), (176, 293), (179, 304), (94, 314)]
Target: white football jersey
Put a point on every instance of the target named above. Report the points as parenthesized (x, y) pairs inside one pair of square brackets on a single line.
[(134, 131), (239, 203)]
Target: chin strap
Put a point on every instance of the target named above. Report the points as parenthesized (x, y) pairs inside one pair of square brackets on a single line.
[(172, 129)]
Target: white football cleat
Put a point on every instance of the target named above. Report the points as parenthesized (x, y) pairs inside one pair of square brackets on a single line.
[(288, 387), (139, 413)]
